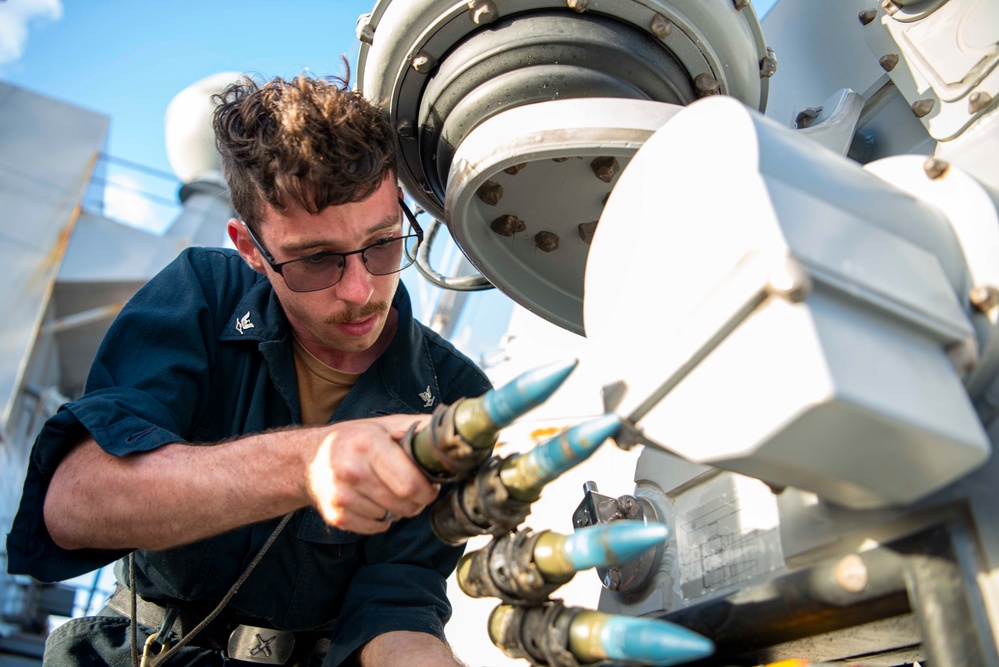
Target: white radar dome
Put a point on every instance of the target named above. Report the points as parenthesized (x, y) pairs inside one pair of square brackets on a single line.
[(190, 141)]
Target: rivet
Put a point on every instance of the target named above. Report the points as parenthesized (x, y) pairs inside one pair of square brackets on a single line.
[(579, 6), (922, 107), (605, 168), (768, 65), (490, 192), (406, 129), (935, 168), (365, 33), (851, 573), (888, 61), (507, 225), (891, 7), (867, 16), (424, 62), (978, 101), (741, 4), (660, 26), (546, 241), (482, 11), (586, 230), (706, 85), (515, 169), (984, 298)]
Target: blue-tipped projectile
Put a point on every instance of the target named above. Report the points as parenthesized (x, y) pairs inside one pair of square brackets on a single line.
[(461, 436), (527, 567), (526, 474), (525, 392), (485, 504), (642, 641), (611, 543), (540, 632)]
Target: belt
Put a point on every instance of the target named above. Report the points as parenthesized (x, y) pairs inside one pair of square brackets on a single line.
[(241, 643)]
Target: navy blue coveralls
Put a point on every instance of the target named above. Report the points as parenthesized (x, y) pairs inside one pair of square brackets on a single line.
[(202, 353)]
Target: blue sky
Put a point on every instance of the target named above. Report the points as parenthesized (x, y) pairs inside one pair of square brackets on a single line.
[(127, 59)]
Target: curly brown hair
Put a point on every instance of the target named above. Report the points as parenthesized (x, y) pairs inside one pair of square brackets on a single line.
[(308, 142)]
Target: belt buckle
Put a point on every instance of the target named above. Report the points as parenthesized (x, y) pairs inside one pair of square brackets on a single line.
[(265, 646)]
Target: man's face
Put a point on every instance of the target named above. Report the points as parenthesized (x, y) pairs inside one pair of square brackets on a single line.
[(344, 321)]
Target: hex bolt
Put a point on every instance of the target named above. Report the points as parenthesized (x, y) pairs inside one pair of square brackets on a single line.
[(612, 578), (365, 33), (888, 61), (984, 298), (406, 129), (490, 192), (741, 4), (605, 168), (891, 7), (922, 107), (586, 230), (660, 26), (482, 12), (507, 225), (978, 102), (935, 168), (546, 241), (578, 6), (424, 62), (851, 573), (867, 16), (768, 65), (706, 85), (515, 169)]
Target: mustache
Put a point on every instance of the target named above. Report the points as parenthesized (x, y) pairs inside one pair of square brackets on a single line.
[(356, 314)]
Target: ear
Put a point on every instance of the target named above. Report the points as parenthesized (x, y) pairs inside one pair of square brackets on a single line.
[(245, 247)]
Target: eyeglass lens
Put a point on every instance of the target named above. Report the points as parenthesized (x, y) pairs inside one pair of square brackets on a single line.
[(326, 269)]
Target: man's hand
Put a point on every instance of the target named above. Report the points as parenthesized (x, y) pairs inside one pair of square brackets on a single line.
[(360, 474), (352, 472), (411, 649)]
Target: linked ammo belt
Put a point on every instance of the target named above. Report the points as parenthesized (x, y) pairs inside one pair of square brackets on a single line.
[(247, 643)]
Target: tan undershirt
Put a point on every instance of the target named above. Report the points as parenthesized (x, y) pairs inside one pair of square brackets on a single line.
[(320, 387)]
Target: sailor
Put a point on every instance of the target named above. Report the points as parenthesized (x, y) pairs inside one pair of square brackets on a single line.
[(238, 436)]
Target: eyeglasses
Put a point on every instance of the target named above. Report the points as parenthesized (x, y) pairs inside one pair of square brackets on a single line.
[(325, 269)]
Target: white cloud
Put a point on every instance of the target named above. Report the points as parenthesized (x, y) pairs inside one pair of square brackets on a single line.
[(15, 15)]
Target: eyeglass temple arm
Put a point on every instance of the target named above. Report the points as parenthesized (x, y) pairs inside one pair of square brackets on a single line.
[(475, 283)]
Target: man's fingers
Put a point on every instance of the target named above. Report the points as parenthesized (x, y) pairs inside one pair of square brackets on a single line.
[(398, 425), (403, 488), (360, 472)]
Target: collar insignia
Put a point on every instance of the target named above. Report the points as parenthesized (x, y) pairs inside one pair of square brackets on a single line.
[(428, 398), (244, 323)]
